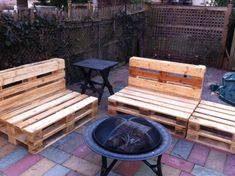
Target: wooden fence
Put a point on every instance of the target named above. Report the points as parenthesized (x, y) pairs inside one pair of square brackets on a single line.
[(187, 33), (75, 14)]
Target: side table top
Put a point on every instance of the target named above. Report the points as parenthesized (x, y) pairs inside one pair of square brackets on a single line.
[(96, 64)]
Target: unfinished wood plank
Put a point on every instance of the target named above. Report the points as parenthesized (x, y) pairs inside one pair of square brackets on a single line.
[(32, 95), (213, 118), (166, 88), (165, 77), (216, 109), (17, 89), (212, 125), (158, 98), (148, 106), (166, 66), (50, 111), (155, 102), (59, 115), (41, 108), (27, 71), (218, 105), (218, 114), (13, 112), (155, 93)]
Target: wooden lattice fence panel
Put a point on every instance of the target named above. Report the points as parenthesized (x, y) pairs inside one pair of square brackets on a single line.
[(187, 34)]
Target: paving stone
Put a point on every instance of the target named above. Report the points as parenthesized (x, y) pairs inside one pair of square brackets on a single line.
[(70, 142), (82, 166), (73, 173), (6, 149), (128, 168), (55, 154), (229, 167), (170, 171), (177, 163), (216, 160), (182, 149), (22, 165), (185, 174), (82, 151), (145, 170), (202, 171), (110, 174), (199, 154), (65, 139), (13, 157), (94, 158), (57, 170), (39, 168), (174, 141)]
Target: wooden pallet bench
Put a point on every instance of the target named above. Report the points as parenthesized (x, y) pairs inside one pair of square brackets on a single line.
[(213, 124), (167, 92), (36, 109)]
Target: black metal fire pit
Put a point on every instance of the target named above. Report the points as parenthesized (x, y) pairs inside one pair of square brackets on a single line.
[(126, 137)]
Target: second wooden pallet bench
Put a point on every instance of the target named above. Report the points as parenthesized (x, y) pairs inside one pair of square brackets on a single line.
[(167, 92), (36, 109), (213, 124)]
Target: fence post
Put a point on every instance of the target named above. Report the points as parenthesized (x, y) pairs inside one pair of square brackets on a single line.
[(69, 9), (225, 33), (232, 54)]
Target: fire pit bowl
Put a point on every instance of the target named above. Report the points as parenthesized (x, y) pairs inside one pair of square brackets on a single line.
[(105, 130), (127, 134)]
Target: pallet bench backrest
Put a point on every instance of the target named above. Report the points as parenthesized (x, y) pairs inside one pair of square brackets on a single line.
[(174, 78), (27, 83)]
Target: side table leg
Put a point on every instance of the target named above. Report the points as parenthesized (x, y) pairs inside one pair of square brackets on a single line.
[(87, 81), (105, 75)]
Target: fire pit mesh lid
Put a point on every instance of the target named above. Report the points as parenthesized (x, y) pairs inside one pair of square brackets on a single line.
[(127, 134)]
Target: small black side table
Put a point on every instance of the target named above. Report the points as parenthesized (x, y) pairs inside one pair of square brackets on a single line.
[(87, 66)]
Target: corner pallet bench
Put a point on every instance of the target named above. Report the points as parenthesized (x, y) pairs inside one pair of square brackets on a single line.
[(36, 109), (167, 92), (213, 124)]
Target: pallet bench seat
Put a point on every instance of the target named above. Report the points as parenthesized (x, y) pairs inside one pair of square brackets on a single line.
[(36, 109), (213, 124), (167, 92)]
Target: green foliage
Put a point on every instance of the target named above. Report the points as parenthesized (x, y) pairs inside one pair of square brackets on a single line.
[(131, 29), (15, 33), (223, 2), (136, 1), (21, 37), (59, 3)]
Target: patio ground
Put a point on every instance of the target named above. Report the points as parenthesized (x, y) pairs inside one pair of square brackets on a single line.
[(71, 157)]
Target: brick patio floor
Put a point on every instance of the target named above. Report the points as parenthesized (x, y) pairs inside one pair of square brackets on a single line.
[(71, 157)]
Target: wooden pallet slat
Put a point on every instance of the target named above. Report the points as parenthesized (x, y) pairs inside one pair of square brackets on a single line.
[(162, 100), (165, 87), (59, 115), (166, 66), (41, 108), (50, 111), (31, 70), (149, 106), (213, 124), (154, 102), (177, 98), (25, 107)]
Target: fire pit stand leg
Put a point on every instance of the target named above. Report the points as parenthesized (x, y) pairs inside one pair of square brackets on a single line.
[(106, 169), (153, 167)]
